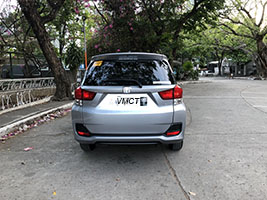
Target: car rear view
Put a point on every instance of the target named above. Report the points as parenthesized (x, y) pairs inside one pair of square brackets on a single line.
[(129, 98)]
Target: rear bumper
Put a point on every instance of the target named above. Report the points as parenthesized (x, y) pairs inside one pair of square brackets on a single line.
[(119, 134), (124, 139)]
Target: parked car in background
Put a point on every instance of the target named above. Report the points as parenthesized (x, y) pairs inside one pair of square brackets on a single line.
[(209, 73), (129, 98), (19, 71)]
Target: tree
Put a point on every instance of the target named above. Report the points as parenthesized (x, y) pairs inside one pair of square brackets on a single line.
[(215, 43), (251, 19), (152, 26), (16, 36), (74, 58), (37, 20)]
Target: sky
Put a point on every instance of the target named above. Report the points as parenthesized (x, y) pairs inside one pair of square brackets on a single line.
[(7, 4)]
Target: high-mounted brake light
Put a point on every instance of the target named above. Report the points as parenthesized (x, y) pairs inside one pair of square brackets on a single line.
[(81, 94), (175, 93)]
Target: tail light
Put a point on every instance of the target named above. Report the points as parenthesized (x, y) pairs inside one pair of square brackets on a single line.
[(81, 94), (82, 130), (175, 93), (174, 129)]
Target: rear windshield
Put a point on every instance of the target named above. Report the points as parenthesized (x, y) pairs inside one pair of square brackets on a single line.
[(147, 72)]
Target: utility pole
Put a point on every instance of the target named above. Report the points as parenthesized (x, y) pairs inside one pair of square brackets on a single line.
[(85, 48)]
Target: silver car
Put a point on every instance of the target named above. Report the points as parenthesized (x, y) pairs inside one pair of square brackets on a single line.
[(129, 98)]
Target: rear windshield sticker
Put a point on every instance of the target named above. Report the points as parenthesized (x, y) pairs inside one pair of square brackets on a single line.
[(98, 63)]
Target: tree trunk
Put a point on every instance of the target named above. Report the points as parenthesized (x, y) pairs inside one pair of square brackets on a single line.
[(262, 56), (30, 11)]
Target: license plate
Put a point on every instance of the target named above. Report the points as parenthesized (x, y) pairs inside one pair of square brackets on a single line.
[(135, 101)]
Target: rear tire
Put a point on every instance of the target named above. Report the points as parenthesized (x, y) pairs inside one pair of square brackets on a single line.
[(176, 146), (87, 147)]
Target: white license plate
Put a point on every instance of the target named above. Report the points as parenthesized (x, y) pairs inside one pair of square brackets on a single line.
[(135, 101)]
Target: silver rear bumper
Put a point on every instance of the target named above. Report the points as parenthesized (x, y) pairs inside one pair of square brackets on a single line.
[(129, 139)]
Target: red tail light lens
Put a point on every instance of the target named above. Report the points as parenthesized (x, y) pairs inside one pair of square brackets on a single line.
[(81, 133), (178, 92), (175, 93), (168, 94), (78, 93), (173, 133), (81, 94), (82, 130), (174, 130), (88, 95)]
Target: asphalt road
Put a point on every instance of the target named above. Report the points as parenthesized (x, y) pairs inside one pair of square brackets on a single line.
[(224, 155)]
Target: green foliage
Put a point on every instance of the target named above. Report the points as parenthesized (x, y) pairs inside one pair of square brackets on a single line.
[(188, 66), (74, 56), (149, 26), (189, 72)]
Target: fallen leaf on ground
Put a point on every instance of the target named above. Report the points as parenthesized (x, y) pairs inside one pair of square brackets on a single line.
[(192, 193), (28, 148)]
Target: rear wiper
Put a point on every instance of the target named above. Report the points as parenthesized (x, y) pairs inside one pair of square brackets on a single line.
[(125, 80)]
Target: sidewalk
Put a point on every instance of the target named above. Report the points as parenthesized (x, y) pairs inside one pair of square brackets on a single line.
[(14, 118)]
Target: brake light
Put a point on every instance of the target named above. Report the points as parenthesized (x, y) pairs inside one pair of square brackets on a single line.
[(81, 133), (81, 94), (175, 129), (172, 133), (175, 93), (178, 92), (78, 93), (82, 130), (88, 95)]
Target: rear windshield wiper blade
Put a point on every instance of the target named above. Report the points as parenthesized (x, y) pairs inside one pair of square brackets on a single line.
[(124, 80)]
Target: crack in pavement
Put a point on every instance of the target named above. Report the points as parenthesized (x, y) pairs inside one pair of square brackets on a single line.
[(173, 172), (248, 103), (190, 116)]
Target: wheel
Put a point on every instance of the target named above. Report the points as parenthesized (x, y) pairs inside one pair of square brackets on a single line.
[(87, 147), (176, 146)]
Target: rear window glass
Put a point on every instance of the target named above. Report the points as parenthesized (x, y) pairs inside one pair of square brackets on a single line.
[(148, 72)]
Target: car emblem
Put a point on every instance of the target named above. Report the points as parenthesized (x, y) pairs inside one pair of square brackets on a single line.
[(126, 90)]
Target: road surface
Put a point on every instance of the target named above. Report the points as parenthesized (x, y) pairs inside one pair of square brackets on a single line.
[(224, 155)]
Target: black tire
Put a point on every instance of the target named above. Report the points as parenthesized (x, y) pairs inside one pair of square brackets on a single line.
[(87, 147), (176, 146)]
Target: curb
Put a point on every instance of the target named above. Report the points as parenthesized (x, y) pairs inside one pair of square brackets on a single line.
[(4, 130)]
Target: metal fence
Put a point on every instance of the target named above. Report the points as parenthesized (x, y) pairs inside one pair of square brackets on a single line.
[(17, 84), (17, 92)]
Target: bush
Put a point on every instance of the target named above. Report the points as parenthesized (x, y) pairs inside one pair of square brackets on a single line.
[(189, 72)]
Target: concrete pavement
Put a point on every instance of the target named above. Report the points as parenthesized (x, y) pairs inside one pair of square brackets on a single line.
[(224, 155)]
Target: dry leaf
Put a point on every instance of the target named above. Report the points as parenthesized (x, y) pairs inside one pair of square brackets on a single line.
[(192, 193)]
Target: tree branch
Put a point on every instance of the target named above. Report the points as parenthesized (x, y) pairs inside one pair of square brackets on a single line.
[(103, 17), (263, 13), (182, 20), (55, 5), (235, 33), (238, 22)]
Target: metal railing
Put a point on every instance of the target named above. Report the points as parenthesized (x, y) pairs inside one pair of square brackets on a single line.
[(16, 84), (14, 99), (18, 92)]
